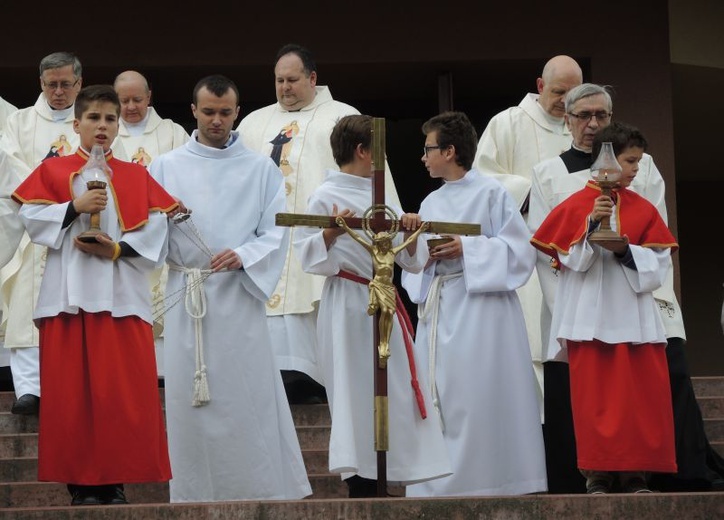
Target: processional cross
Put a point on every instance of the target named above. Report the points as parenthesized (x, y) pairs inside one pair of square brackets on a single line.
[(379, 228)]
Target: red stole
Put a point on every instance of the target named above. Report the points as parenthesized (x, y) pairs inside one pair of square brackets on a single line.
[(136, 193), (636, 217)]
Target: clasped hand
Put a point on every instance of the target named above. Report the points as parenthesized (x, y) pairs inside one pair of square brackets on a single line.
[(92, 201)]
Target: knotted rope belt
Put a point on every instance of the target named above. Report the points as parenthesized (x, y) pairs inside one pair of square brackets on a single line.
[(429, 312), (195, 304)]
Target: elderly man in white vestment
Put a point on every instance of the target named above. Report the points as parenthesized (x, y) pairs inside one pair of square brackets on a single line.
[(514, 141), (142, 136), (588, 109), (230, 429), (31, 135), (295, 133), (471, 331)]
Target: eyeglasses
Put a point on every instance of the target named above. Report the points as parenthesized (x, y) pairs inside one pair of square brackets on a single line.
[(65, 85), (601, 117), (426, 149)]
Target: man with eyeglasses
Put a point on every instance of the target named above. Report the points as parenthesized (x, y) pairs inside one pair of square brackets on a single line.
[(589, 109), (32, 134), (514, 141)]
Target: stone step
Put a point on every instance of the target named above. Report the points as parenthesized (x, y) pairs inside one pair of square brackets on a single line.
[(711, 407), (302, 414), (655, 506), (25, 469), (711, 386), (26, 444), (32, 494)]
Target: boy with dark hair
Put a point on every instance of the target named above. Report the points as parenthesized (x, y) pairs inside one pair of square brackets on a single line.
[(345, 331), (471, 332), (101, 422), (606, 324)]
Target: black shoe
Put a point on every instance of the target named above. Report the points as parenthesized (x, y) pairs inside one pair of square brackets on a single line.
[(598, 487), (302, 389), (636, 485), (360, 487), (115, 495), (85, 496), (27, 404)]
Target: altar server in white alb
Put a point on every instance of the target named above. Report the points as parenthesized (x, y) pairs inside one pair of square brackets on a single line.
[(31, 135), (345, 331), (230, 429), (471, 331), (295, 133), (514, 141)]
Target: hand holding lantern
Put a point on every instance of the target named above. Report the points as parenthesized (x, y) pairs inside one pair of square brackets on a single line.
[(606, 172), (95, 171)]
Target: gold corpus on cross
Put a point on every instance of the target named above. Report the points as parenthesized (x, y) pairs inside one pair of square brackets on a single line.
[(375, 224), (383, 297)]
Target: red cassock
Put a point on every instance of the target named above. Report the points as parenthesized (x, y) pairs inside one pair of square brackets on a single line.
[(101, 420), (620, 393)]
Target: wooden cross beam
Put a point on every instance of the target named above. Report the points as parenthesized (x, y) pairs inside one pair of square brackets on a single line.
[(377, 222)]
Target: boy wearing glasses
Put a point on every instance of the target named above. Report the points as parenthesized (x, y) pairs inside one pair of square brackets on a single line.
[(344, 331), (471, 332), (31, 135)]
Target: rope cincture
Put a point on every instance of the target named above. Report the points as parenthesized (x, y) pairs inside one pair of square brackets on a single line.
[(195, 305), (429, 312), (194, 298)]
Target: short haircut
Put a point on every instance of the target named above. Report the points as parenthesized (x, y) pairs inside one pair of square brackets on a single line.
[(349, 132), (621, 136), (304, 54), (454, 129), (217, 84), (61, 59), (92, 93), (585, 90)]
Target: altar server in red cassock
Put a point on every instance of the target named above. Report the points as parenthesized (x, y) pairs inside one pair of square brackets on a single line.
[(101, 422), (606, 323)]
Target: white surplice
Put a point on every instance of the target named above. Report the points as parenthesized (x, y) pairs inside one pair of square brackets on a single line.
[(472, 336), (345, 336), (303, 161), (601, 296), (551, 185), (242, 445), (116, 287)]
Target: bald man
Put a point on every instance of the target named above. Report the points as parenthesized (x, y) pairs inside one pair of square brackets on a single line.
[(142, 136), (142, 133), (514, 141)]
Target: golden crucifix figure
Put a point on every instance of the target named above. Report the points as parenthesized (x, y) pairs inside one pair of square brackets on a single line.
[(382, 289)]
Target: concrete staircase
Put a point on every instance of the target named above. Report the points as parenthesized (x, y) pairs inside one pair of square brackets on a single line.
[(22, 497)]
